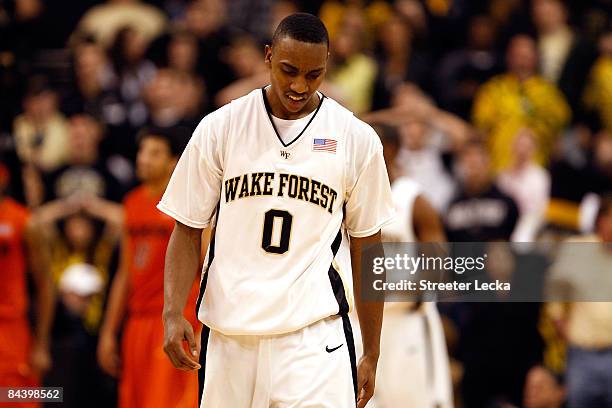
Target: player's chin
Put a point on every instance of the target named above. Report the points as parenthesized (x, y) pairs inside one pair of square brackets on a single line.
[(295, 106)]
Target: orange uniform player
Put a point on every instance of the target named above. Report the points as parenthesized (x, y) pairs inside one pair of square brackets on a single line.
[(145, 366), (147, 377), (23, 356)]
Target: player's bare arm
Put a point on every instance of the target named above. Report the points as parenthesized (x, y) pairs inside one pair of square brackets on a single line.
[(370, 320), (108, 347), (426, 221), (40, 357), (181, 268)]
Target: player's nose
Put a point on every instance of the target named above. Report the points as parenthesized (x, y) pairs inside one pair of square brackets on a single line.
[(299, 85)]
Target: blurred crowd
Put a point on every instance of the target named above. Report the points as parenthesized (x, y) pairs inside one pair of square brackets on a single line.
[(501, 109)]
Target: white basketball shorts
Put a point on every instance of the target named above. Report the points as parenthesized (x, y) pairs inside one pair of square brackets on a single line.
[(312, 367)]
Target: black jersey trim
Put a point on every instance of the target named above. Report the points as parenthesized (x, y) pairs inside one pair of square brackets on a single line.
[(201, 372), (269, 112), (343, 308), (205, 329), (211, 256), (205, 277), (350, 343), (336, 280), (336, 244)]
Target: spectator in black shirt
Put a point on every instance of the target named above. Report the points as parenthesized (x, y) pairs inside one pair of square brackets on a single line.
[(480, 211), (462, 71), (499, 341), (94, 88), (206, 20), (86, 173), (398, 62)]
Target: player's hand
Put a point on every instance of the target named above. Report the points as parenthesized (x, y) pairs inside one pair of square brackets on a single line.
[(40, 359), (176, 331), (366, 378), (108, 354)]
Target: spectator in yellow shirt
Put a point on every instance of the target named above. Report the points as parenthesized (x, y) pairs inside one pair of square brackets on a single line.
[(519, 98), (598, 94), (352, 71)]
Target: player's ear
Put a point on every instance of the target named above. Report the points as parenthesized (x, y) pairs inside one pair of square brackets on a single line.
[(268, 55)]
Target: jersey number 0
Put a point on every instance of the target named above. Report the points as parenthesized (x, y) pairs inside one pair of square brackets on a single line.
[(285, 234)]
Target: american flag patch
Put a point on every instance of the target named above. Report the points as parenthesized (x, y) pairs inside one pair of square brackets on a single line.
[(324, 145)]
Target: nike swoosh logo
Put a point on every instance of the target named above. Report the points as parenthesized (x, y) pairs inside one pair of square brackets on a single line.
[(332, 349)]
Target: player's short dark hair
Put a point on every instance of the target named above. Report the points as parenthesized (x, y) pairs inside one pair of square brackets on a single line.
[(303, 27), (175, 137)]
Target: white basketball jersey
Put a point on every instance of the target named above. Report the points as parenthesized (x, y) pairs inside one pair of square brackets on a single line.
[(279, 257), (401, 229), (410, 339)]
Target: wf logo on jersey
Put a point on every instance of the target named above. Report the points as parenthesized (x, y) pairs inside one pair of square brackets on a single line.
[(285, 154), (281, 185), (324, 145)]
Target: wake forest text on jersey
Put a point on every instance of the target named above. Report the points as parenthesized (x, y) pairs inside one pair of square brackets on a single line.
[(298, 187)]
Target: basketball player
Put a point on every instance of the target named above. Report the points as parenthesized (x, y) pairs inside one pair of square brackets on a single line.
[(412, 334), (24, 356), (295, 186), (147, 378)]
